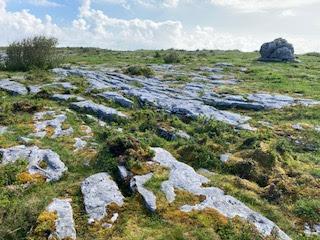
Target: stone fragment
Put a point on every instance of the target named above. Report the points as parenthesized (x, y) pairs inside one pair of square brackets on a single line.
[(3, 130), (137, 184), (99, 191), (225, 157), (64, 225), (79, 144)]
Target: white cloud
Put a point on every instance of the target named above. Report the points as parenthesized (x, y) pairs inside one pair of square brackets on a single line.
[(260, 5), (96, 29), (44, 3), (288, 13)]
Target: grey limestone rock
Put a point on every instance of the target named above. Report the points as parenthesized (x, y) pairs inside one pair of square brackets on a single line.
[(278, 50), (100, 111), (117, 98), (65, 227), (34, 156), (137, 184), (13, 87), (99, 191)]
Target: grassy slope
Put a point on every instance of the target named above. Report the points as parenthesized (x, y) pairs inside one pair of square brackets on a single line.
[(295, 170)]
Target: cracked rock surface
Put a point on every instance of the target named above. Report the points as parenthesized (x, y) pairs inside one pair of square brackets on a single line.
[(137, 184), (65, 227), (99, 191), (35, 156), (184, 177)]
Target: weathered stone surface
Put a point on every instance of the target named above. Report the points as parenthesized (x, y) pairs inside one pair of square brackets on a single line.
[(3, 130), (278, 50), (99, 191), (209, 69), (34, 89), (100, 111), (184, 177), (64, 225), (225, 157), (117, 98), (67, 97), (124, 173), (41, 125), (34, 156), (137, 184), (312, 230), (224, 64), (257, 102), (13, 87), (79, 144)]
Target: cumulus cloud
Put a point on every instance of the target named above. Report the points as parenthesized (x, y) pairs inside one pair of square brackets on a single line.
[(44, 3), (94, 28)]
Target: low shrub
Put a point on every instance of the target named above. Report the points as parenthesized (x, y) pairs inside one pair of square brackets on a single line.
[(32, 53), (172, 58), (308, 209), (139, 71)]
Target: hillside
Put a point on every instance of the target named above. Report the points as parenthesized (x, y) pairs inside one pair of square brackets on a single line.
[(121, 145)]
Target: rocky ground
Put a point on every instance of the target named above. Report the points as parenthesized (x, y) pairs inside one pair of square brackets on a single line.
[(218, 146)]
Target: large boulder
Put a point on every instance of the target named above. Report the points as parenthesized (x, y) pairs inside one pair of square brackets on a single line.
[(278, 50)]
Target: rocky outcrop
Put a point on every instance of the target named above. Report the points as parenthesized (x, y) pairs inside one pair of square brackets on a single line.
[(64, 224), (137, 184), (278, 50), (184, 177), (35, 156), (100, 111), (13, 87), (117, 98), (99, 191), (56, 123)]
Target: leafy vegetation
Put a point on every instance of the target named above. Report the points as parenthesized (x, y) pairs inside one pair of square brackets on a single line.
[(31, 53)]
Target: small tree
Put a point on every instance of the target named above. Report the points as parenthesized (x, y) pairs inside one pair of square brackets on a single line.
[(30, 53)]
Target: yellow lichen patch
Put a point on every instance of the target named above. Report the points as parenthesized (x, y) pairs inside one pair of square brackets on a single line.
[(45, 224), (86, 130), (26, 177), (50, 131), (65, 126)]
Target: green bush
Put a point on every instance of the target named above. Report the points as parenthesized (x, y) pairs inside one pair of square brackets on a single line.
[(308, 209), (32, 53), (172, 58), (139, 71)]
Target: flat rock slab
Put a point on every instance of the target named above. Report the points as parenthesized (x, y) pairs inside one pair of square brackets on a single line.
[(137, 184), (99, 191), (35, 156), (184, 177), (100, 111), (67, 97), (38, 88), (117, 98), (13, 87), (56, 122), (64, 223), (256, 102)]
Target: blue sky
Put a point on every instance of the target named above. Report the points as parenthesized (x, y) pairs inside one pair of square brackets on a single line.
[(157, 24)]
